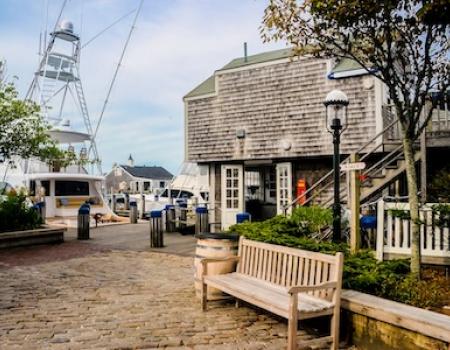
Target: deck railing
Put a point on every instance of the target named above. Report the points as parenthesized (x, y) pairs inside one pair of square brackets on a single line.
[(439, 124), (394, 233)]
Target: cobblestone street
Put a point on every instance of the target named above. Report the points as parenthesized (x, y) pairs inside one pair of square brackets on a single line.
[(119, 299)]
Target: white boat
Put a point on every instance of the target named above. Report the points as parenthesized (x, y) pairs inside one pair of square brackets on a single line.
[(62, 189), (190, 186)]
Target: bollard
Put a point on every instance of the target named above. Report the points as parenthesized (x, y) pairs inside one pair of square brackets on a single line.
[(133, 213), (113, 203), (84, 221), (126, 202), (201, 220), (156, 232), (170, 218), (183, 217), (142, 207), (242, 217)]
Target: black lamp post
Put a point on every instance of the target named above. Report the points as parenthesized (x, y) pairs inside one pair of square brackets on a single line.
[(336, 104)]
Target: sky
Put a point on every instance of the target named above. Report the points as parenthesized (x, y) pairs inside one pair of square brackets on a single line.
[(176, 45)]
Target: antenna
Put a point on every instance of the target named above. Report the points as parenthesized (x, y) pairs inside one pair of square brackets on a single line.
[(117, 70), (245, 52)]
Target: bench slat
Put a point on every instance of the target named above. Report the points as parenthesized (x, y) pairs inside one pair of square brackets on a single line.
[(287, 250), (306, 273), (283, 270)]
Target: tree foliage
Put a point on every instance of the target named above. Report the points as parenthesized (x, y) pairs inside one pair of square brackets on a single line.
[(405, 43), (23, 133)]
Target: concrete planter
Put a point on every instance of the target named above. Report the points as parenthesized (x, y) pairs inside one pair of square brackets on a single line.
[(43, 235), (374, 323)]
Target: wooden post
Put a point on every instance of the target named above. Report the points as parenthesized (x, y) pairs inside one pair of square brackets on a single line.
[(423, 167), (355, 234), (380, 230)]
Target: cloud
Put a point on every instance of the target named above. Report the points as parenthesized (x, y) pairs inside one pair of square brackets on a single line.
[(174, 47)]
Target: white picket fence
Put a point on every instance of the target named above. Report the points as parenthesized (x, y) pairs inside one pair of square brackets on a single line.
[(394, 234)]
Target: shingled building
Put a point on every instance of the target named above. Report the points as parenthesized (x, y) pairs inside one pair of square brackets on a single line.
[(258, 125), (137, 179)]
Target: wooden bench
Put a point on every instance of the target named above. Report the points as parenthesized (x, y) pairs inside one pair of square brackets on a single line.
[(292, 283)]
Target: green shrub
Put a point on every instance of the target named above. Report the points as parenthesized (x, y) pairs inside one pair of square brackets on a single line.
[(304, 221), (16, 215), (311, 219)]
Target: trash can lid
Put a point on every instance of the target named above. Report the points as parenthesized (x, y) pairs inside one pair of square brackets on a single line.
[(201, 210), (155, 213), (169, 206), (133, 204), (243, 215), (368, 221), (84, 210)]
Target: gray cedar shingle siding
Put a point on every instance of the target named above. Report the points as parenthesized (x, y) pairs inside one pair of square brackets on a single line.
[(276, 105)]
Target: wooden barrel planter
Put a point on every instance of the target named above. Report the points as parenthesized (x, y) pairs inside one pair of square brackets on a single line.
[(214, 245)]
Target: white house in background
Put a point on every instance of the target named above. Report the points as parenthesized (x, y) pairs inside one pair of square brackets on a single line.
[(136, 179)]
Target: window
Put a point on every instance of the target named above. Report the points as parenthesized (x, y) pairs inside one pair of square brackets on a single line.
[(173, 193), (45, 185), (205, 195), (146, 185), (232, 188), (71, 188), (186, 194), (162, 184)]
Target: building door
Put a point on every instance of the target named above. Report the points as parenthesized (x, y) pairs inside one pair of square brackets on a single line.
[(284, 187), (232, 193)]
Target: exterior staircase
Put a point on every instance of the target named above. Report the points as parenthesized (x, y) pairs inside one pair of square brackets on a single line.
[(383, 167)]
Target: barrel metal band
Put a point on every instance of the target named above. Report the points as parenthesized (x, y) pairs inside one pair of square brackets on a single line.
[(216, 248)]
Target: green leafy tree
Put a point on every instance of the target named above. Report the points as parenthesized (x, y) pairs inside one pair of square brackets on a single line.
[(23, 133), (406, 41)]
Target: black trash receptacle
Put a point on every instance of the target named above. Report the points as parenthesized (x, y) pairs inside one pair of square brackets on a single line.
[(201, 220), (84, 221), (156, 229), (170, 218), (243, 217), (133, 213)]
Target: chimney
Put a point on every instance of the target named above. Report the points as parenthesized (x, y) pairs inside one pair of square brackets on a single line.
[(130, 161), (245, 52)]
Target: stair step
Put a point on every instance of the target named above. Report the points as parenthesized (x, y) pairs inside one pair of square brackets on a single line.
[(378, 176), (391, 166)]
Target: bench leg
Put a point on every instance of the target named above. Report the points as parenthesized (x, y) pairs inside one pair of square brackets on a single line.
[(334, 330), (204, 295), (293, 322)]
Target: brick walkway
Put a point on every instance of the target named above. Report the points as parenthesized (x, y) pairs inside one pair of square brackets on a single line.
[(119, 299)]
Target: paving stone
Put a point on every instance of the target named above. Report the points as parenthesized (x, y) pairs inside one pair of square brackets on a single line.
[(123, 300)]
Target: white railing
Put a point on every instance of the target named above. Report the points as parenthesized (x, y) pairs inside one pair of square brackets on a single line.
[(394, 232)]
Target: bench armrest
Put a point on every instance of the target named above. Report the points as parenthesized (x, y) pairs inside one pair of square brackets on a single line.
[(206, 261), (300, 289)]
